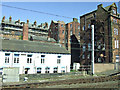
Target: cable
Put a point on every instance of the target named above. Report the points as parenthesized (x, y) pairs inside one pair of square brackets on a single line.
[(36, 11)]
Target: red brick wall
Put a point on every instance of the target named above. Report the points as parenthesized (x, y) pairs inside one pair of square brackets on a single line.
[(25, 32)]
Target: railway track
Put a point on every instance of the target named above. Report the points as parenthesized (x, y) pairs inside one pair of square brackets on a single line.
[(112, 77)]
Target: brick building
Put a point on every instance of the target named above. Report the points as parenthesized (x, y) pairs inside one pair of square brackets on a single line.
[(11, 29), (68, 35), (62, 32), (57, 31), (107, 37)]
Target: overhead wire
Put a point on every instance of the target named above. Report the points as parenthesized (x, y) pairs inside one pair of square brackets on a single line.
[(36, 11), (56, 16)]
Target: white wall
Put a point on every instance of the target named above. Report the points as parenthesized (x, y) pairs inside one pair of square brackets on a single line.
[(50, 61), (76, 66)]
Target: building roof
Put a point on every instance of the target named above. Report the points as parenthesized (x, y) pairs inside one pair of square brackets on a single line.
[(88, 13), (31, 46), (58, 22), (105, 8), (30, 25), (42, 38)]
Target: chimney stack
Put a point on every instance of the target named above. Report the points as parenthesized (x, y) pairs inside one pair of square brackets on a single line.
[(10, 19), (27, 21), (19, 21), (35, 23), (46, 24), (25, 31), (101, 5), (75, 20), (3, 19)]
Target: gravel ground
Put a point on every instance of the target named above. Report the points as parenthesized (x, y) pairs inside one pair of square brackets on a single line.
[(110, 84)]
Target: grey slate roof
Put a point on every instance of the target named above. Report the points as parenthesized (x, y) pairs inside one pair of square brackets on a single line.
[(30, 25), (31, 46), (42, 38)]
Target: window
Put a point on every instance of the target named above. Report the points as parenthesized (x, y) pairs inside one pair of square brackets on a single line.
[(114, 11), (47, 70), (115, 31), (78, 27), (61, 25), (116, 43), (88, 56), (42, 59), (1, 71), (89, 46), (29, 58), (114, 20), (39, 70), (58, 59), (71, 32), (62, 31), (89, 26), (79, 34), (94, 15), (83, 56), (117, 58), (63, 40), (83, 28), (7, 57), (84, 48), (70, 25), (16, 58), (55, 69)]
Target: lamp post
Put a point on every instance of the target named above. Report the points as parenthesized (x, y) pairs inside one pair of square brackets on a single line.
[(92, 49)]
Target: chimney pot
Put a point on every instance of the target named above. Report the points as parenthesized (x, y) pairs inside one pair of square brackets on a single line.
[(35, 23), (3, 19), (27, 21), (19, 21), (101, 5), (10, 18)]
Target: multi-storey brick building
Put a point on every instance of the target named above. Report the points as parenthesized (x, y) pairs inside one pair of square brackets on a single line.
[(62, 32), (68, 35), (57, 31), (11, 29), (107, 35)]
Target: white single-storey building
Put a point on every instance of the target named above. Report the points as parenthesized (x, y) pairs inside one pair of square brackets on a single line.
[(34, 57)]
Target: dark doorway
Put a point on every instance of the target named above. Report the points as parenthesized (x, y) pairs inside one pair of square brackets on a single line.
[(75, 50), (26, 70)]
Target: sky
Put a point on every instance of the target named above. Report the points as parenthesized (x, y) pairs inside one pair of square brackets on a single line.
[(67, 9)]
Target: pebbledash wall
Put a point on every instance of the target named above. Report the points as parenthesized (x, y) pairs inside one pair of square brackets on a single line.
[(35, 62)]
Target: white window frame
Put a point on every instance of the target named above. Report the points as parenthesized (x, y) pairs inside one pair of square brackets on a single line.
[(39, 70), (7, 58), (16, 59), (58, 59), (42, 59), (117, 43), (29, 59), (117, 58)]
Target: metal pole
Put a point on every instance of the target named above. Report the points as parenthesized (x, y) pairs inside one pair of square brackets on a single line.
[(92, 49)]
